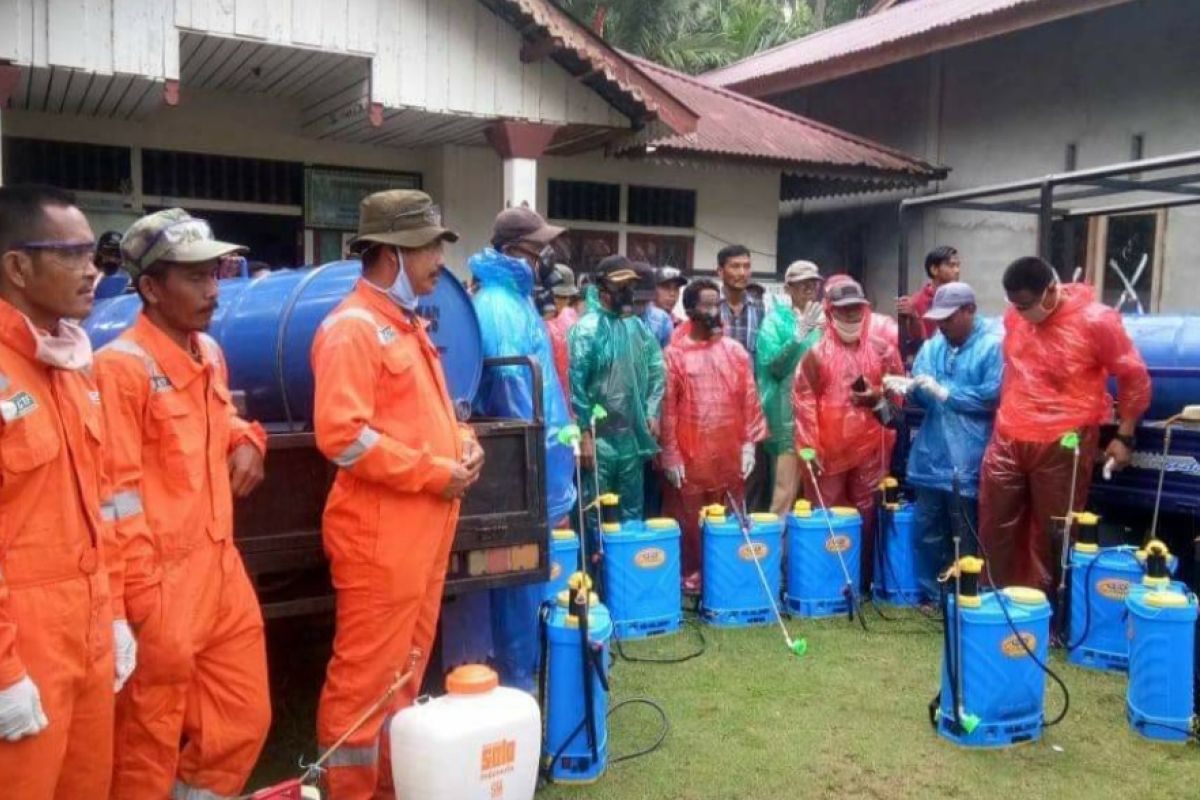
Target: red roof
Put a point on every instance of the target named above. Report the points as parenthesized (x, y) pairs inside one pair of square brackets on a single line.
[(736, 128), (904, 31)]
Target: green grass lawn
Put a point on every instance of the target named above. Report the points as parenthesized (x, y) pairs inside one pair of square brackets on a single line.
[(848, 720)]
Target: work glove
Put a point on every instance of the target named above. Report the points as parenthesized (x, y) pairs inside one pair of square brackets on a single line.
[(808, 320), (124, 653), (747, 459), (898, 384), (932, 388), (675, 476), (21, 711)]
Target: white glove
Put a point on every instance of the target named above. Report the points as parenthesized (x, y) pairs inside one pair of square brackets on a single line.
[(811, 318), (935, 389), (898, 384), (21, 711), (675, 476), (747, 459), (124, 653)]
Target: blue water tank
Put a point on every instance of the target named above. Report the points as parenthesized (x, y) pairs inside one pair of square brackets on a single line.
[(1100, 580), (266, 327), (564, 560), (566, 731), (732, 593), (641, 578), (112, 285), (1170, 346), (896, 578), (1001, 684), (1162, 635), (815, 581)]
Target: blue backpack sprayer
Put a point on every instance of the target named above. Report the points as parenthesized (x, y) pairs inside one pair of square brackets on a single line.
[(849, 590), (576, 631)]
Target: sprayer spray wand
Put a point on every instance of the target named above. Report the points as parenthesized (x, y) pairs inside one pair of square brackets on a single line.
[(808, 456), (1069, 441), (797, 646)]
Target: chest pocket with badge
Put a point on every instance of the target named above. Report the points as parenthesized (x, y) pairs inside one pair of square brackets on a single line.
[(29, 437)]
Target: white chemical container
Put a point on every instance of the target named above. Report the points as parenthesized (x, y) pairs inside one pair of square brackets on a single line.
[(480, 741)]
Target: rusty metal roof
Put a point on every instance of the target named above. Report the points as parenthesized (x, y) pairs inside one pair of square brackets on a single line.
[(734, 128), (595, 63), (904, 31)]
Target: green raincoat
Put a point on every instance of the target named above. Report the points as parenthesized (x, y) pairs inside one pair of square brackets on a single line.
[(775, 360)]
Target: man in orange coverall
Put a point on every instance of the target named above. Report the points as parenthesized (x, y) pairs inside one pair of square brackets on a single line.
[(1060, 348), (840, 407), (383, 415), (711, 420), (57, 609), (178, 453)]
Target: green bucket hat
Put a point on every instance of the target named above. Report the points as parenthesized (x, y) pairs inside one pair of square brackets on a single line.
[(170, 235), (401, 217)]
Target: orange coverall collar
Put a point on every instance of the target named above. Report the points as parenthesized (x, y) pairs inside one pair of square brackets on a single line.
[(15, 332), (378, 301), (179, 366)]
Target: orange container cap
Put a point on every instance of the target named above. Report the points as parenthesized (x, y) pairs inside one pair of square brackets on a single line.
[(471, 679)]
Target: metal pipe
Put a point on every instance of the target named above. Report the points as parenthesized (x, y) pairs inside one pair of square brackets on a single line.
[(1144, 205)]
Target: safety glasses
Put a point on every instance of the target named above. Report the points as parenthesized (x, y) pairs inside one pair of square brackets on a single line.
[(77, 252)]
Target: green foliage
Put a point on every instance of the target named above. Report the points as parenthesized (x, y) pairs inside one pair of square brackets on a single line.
[(696, 35)]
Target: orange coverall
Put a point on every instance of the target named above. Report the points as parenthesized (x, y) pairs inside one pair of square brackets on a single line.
[(56, 608), (383, 415), (202, 669)]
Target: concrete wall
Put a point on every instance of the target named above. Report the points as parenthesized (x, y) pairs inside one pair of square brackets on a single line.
[(1006, 109)]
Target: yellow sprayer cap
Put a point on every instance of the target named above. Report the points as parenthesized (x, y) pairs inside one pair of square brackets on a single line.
[(764, 516), (1166, 600), (610, 499), (566, 598), (562, 534), (1086, 518), (844, 511), (970, 564), (889, 483), (715, 511), (1155, 546), (802, 508), (1025, 595), (661, 523), (579, 579)]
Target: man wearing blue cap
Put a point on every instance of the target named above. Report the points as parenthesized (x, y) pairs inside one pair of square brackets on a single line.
[(957, 382)]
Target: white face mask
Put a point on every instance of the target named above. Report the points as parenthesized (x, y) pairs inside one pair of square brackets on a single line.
[(401, 290), (848, 332), (69, 349)]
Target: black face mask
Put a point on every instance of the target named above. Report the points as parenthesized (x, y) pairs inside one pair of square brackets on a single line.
[(622, 299), (707, 322), (548, 276)]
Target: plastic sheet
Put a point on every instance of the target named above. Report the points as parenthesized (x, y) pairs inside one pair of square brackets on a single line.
[(844, 435), (955, 433), (711, 410), (1055, 372), (510, 325), (776, 357)]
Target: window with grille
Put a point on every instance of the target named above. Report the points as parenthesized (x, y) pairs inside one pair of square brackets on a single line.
[(584, 201), (662, 208), (167, 173), (68, 165)]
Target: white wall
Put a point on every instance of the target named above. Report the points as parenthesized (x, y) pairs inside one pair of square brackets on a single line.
[(1006, 108), (446, 56), (733, 204)]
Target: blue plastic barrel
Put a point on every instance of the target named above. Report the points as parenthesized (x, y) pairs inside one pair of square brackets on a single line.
[(1162, 635), (564, 560), (896, 578), (266, 327), (1001, 684), (641, 578), (1170, 346), (1100, 581), (566, 733), (732, 594), (112, 285), (815, 581)]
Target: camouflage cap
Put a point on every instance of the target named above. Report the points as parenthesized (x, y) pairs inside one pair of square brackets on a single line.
[(170, 235), (401, 217)]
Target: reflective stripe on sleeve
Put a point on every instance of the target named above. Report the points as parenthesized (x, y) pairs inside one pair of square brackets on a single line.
[(367, 439)]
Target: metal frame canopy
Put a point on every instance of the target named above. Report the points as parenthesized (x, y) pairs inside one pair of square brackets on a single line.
[(1152, 183)]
